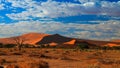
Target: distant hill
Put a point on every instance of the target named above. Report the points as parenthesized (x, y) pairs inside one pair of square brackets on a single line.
[(56, 39)]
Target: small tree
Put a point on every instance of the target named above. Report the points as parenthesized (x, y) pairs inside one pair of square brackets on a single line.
[(106, 48), (9, 45), (42, 45), (116, 47), (83, 46), (20, 41), (1, 45)]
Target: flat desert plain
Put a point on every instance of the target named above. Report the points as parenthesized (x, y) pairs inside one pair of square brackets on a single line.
[(59, 58)]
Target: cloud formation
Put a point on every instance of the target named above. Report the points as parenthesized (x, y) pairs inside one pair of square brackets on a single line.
[(84, 1), (54, 9), (106, 30), (1, 5)]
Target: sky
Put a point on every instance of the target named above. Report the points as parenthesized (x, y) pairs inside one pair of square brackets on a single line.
[(84, 19)]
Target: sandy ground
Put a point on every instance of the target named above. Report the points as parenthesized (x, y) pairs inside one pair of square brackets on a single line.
[(63, 58)]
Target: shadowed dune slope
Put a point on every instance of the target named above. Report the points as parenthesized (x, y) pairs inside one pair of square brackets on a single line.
[(56, 38)]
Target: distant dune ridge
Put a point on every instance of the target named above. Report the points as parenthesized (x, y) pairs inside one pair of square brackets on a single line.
[(56, 39), (116, 40)]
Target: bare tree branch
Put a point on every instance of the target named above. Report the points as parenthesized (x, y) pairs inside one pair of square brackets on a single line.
[(20, 41)]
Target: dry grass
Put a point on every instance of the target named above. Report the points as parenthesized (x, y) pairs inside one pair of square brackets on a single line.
[(59, 58), (28, 64)]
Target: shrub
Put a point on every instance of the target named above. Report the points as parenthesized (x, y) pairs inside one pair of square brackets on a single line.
[(29, 64), (28, 46), (25, 45), (106, 48), (42, 46), (16, 53), (83, 46), (2, 61), (110, 48), (9, 45), (116, 47), (1, 45), (93, 66)]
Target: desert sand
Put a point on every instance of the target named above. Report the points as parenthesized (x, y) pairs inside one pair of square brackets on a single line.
[(59, 58)]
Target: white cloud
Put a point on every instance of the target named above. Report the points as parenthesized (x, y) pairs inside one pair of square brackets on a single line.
[(110, 8), (25, 27), (106, 30), (53, 9), (84, 1), (22, 3), (1, 6), (50, 9)]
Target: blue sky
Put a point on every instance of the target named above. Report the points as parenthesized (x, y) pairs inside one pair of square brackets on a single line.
[(86, 19)]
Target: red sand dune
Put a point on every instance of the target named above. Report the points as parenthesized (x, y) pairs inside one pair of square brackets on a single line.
[(72, 42), (55, 39), (53, 44), (117, 40), (31, 38), (111, 44), (102, 43)]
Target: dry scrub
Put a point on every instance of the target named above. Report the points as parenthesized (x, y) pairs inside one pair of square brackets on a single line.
[(59, 58)]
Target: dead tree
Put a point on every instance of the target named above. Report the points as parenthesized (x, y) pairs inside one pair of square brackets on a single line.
[(19, 41)]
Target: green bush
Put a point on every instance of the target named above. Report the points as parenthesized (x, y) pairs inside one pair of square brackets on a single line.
[(105, 47), (28, 46), (110, 48), (42, 46), (116, 47), (83, 46), (1, 45), (9, 45)]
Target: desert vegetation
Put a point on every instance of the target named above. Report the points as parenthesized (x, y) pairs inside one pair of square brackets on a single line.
[(48, 57)]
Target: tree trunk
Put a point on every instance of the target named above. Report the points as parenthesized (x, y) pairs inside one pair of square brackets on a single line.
[(19, 47)]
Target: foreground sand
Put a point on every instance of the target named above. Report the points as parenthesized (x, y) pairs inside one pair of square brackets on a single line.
[(59, 58)]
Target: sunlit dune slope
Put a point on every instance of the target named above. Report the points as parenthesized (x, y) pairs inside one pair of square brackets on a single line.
[(30, 38)]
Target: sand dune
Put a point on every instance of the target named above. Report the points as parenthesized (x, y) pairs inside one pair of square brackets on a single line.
[(34, 37), (31, 38), (56, 39), (117, 40), (72, 42)]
